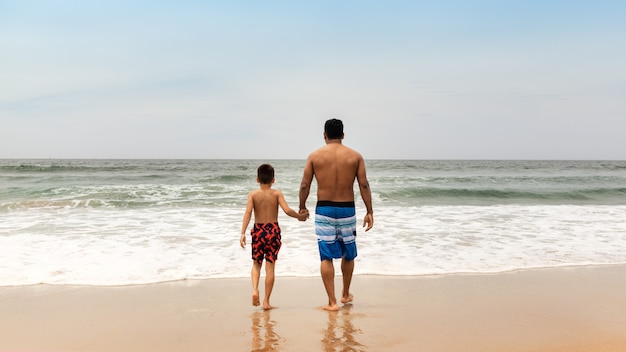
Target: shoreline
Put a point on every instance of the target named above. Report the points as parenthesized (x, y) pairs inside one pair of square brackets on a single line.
[(337, 274), (574, 308)]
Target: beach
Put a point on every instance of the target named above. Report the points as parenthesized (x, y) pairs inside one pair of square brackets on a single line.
[(144, 255), (557, 309)]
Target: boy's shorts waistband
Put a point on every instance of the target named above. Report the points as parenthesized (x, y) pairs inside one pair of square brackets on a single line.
[(330, 203)]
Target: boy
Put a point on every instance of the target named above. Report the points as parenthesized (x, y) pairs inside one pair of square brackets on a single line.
[(266, 239)]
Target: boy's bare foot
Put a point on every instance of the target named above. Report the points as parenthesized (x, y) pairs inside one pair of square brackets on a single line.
[(267, 306), (348, 299), (331, 307), (255, 299)]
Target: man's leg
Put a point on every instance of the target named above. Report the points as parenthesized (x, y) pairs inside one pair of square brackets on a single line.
[(327, 269), (347, 267)]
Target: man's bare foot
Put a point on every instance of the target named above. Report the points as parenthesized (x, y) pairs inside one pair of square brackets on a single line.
[(348, 299), (255, 299), (331, 307), (267, 306)]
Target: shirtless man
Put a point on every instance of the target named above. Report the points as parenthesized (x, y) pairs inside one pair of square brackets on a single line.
[(335, 167)]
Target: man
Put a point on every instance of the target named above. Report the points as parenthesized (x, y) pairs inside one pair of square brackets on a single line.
[(335, 167)]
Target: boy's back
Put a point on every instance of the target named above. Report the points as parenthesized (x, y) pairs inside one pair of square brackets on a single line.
[(265, 202)]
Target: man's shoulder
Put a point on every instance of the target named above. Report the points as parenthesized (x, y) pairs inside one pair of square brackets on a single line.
[(332, 148), (347, 152), (319, 150), (316, 154)]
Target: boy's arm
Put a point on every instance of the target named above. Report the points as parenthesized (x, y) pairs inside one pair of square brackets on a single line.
[(247, 215), (294, 214)]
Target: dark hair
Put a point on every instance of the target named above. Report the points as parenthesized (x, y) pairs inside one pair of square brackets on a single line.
[(265, 173), (333, 129)]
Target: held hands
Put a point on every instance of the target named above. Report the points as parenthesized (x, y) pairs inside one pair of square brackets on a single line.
[(303, 214)]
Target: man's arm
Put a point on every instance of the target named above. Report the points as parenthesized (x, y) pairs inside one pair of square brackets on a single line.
[(305, 185), (366, 195)]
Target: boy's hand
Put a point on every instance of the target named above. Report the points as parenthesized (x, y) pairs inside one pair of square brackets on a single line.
[(304, 214), (242, 241)]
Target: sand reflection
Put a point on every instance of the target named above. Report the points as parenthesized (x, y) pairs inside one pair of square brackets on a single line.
[(341, 334), (264, 338)]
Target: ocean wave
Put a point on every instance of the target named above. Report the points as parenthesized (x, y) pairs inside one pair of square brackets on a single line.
[(457, 196), (50, 204), (124, 197), (55, 168)]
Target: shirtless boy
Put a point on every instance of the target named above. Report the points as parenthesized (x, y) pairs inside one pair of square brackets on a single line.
[(335, 168), (266, 239)]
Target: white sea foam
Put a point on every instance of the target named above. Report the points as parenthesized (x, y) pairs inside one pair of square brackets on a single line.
[(103, 246), (482, 239)]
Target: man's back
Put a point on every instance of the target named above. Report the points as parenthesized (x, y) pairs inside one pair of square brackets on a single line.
[(335, 167)]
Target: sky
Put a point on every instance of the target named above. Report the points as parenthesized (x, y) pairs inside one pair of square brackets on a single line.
[(258, 79)]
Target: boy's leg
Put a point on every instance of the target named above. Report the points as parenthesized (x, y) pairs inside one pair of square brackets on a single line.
[(256, 274), (272, 247), (269, 284)]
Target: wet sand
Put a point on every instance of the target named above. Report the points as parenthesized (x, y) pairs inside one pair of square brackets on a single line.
[(564, 309)]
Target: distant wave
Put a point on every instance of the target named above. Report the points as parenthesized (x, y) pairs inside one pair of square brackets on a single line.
[(456, 196), (51, 204), (64, 168)]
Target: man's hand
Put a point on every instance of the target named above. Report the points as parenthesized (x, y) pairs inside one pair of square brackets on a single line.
[(305, 214), (368, 222)]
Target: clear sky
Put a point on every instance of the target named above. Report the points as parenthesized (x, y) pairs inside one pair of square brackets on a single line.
[(257, 79)]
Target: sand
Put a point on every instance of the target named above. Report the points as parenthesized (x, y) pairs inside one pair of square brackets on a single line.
[(564, 309)]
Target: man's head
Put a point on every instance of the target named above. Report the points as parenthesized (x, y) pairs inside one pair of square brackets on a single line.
[(333, 129), (265, 174)]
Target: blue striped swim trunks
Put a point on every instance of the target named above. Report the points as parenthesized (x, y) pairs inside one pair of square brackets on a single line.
[(335, 227)]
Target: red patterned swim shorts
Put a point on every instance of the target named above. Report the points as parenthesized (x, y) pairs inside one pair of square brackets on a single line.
[(265, 242)]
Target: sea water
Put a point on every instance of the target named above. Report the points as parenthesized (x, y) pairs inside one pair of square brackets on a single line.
[(120, 222)]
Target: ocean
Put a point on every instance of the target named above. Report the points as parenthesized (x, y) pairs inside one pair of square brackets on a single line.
[(124, 222)]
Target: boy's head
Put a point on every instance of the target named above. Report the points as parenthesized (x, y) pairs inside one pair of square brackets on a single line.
[(333, 129), (265, 174)]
